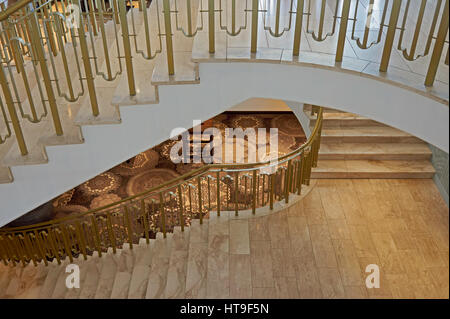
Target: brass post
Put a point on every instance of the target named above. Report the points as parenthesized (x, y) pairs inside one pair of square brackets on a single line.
[(287, 182), (145, 221), (87, 66), (342, 31), (255, 16), (298, 27), (396, 5), (180, 199), (168, 30), (272, 190), (236, 186), (96, 236), (254, 192), (200, 210), (211, 17), (40, 55), (129, 228), (438, 47), (218, 193), (163, 214), (12, 113)]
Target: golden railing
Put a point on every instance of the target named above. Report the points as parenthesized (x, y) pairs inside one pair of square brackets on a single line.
[(48, 61), (212, 188)]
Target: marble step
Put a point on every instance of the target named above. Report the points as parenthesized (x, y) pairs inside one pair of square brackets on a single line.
[(366, 134), (157, 279), (141, 270), (343, 119), (218, 263), (197, 266), (51, 281), (186, 71), (374, 151), (176, 274), (122, 279), (107, 277), (373, 169)]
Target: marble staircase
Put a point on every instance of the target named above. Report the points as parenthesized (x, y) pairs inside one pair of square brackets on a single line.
[(357, 147), (189, 264)]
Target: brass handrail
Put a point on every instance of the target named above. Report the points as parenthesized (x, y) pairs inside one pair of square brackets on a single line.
[(120, 222)]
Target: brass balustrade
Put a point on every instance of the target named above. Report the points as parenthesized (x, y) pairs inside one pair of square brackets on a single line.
[(212, 188), (48, 59), (40, 51)]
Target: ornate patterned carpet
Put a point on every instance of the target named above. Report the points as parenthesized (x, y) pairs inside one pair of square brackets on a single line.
[(153, 167)]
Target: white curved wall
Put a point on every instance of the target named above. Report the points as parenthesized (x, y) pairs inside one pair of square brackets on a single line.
[(222, 85)]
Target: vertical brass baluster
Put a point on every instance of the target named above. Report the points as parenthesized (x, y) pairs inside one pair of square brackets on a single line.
[(54, 246), (218, 193), (116, 11), (81, 239), (112, 237), (163, 214), (255, 16), (12, 251), (66, 241), (168, 31), (92, 16), (343, 31), (180, 199), (298, 27), (129, 228), (32, 254), (49, 27), (3, 252), (395, 11), (37, 238), (211, 26), (18, 249), (209, 192), (146, 29), (104, 41), (300, 175), (40, 55), (236, 192), (254, 192), (200, 205), (145, 220), (287, 181), (272, 189), (127, 47), (96, 235), (12, 113), (438, 47), (59, 36), (87, 66), (6, 27), (190, 199)]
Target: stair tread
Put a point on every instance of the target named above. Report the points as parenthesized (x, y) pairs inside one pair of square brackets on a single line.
[(374, 148), (186, 71), (145, 92), (373, 168), (160, 262), (197, 260), (364, 131), (176, 273), (109, 114), (141, 271)]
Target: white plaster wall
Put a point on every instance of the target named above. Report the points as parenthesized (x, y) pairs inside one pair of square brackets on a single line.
[(222, 85)]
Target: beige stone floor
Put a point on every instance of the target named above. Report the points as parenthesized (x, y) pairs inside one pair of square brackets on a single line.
[(320, 247)]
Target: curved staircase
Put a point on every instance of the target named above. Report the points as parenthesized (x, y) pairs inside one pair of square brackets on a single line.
[(353, 146)]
